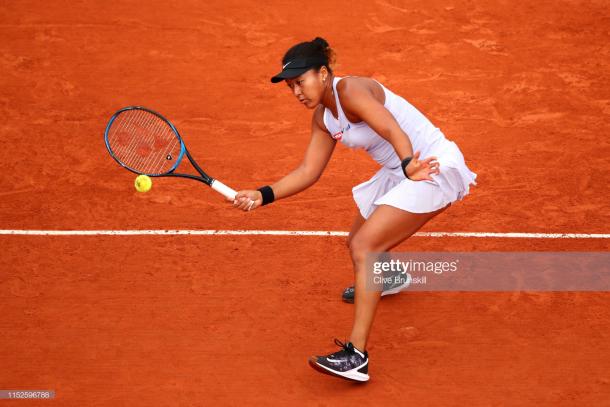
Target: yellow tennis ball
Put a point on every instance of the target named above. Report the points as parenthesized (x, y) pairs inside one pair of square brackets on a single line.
[(143, 183)]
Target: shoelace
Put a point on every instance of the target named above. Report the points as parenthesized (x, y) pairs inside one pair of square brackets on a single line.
[(346, 346)]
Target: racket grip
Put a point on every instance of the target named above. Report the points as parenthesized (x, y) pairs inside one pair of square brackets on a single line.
[(223, 189)]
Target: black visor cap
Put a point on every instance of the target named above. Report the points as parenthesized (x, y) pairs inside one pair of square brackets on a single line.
[(299, 66)]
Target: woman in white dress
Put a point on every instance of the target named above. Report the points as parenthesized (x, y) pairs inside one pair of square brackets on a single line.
[(421, 174)]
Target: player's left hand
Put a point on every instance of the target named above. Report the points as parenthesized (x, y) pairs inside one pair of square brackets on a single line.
[(247, 200), (422, 170)]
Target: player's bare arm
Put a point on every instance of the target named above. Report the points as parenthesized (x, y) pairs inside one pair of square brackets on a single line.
[(362, 100)]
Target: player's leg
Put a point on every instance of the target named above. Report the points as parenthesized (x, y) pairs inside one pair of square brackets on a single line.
[(385, 228), (395, 287), (358, 222)]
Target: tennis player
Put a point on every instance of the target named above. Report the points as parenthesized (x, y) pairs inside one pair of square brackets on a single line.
[(421, 174)]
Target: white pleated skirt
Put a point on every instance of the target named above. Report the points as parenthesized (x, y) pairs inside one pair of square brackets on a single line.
[(389, 186)]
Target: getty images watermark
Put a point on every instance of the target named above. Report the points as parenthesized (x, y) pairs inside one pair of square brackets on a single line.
[(390, 273), (489, 271)]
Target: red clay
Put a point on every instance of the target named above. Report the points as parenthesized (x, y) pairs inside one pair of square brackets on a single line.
[(522, 88)]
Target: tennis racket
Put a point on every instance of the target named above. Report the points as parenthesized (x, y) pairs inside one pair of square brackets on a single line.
[(145, 142)]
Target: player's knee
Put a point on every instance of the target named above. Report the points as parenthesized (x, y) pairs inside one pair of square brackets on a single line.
[(348, 241), (358, 249)]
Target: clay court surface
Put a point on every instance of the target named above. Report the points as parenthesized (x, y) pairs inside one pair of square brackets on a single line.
[(230, 320)]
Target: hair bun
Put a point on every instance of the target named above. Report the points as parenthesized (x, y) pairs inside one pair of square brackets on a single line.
[(321, 42)]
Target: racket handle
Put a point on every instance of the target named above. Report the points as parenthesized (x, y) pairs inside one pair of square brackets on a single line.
[(223, 189)]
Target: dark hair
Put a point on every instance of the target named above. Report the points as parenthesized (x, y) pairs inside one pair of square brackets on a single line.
[(318, 47)]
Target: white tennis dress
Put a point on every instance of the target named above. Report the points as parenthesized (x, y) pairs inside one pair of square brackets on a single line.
[(389, 186)]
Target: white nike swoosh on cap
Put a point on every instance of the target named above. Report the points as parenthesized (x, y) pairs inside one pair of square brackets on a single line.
[(284, 67)]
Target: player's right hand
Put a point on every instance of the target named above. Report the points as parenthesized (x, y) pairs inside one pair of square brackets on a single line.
[(420, 170), (247, 200)]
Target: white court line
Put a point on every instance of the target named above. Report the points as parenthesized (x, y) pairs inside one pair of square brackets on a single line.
[(292, 233)]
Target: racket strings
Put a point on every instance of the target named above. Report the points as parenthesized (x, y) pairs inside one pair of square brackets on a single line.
[(127, 129), (144, 142), (174, 140), (139, 156), (123, 132)]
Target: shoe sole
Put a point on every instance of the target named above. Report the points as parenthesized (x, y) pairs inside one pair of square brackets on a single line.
[(397, 289), (392, 291), (351, 375)]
